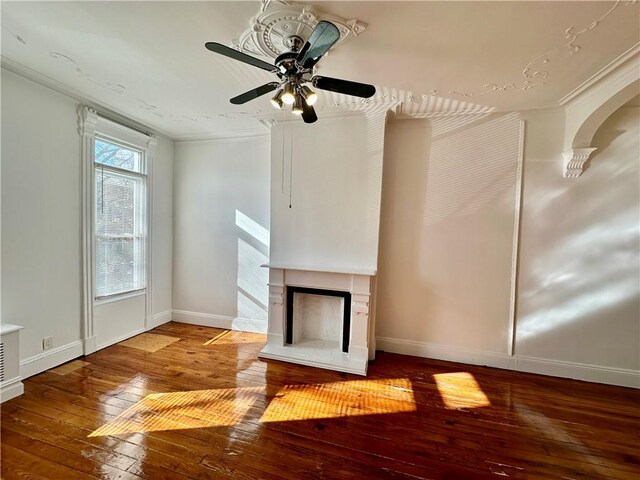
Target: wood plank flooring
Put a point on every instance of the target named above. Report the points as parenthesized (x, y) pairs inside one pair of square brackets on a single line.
[(205, 407)]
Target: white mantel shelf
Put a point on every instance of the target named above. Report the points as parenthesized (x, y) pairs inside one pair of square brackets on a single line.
[(347, 271)]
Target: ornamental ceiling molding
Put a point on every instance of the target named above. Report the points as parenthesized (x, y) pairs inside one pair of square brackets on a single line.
[(371, 109), (278, 20), (535, 73), (19, 38), (142, 104), (120, 89), (160, 113), (66, 59)]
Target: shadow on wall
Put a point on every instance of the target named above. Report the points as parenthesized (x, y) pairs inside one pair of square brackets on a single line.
[(252, 280), (407, 148), (580, 281), (447, 229), (458, 184)]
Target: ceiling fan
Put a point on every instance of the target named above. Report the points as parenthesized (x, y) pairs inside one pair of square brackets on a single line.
[(295, 68)]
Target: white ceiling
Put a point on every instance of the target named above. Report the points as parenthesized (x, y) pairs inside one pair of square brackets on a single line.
[(147, 60)]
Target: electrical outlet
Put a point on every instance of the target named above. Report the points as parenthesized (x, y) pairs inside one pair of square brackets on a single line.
[(47, 343)]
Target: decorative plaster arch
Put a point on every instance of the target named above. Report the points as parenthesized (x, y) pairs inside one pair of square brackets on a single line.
[(585, 112)]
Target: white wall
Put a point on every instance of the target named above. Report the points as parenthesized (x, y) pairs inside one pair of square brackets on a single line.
[(579, 296), (162, 234), (325, 193), (446, 246), (447, 228), (221, 234), (41, 222), (41, 257)]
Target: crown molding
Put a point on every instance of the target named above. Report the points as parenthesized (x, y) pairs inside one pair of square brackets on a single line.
[(229, 137), (271, 120), (363, 110), (600, 74)]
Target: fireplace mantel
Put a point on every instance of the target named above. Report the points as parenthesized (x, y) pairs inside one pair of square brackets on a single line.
[(358, 284), (324, 268)]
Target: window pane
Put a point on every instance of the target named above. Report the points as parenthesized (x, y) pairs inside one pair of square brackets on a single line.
[(117, 156), (114, 266), (115, 203), (120, 239)]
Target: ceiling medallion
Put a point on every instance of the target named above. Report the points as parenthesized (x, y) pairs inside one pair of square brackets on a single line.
[(271, 32)]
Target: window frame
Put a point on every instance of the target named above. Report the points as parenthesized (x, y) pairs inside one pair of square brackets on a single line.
[(90, 126), (142, 215)]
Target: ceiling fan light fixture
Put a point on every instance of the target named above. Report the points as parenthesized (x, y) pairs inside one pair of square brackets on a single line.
[(276, 101), (309, 95), (297, 105), (288, 94)]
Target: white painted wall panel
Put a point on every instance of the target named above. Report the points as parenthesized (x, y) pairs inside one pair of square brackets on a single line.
[(325, 195), (162, 228), (446, 234), (221, 235), (579, 298), (40, 214), (116, 321)]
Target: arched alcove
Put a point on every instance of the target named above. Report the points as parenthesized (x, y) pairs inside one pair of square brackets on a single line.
[(587, 111)]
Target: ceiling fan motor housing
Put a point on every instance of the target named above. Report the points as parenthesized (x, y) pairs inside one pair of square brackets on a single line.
[(294, 43), (287, 64)]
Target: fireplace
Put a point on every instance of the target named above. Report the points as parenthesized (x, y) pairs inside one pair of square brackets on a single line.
[(326, 185), (320, 318), (328, 325)]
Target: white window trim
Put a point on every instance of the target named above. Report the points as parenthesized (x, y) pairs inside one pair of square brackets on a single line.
[(90, 125), (141, 175)]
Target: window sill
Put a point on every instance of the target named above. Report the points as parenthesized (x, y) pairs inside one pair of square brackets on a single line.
[(119, 297)]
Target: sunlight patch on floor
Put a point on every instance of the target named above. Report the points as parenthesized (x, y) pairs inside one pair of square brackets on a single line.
[(460, 390), (231, 337), (149, 342), (182, 410), (69, 367), (341, 399), (228, 407)]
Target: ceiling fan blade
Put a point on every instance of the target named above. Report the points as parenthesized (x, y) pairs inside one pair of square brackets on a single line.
[(236, 55), (344, 86), (320, 41), (308, 113), (255, 93)]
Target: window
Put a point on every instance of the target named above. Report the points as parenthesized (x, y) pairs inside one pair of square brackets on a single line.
[(120, 219)]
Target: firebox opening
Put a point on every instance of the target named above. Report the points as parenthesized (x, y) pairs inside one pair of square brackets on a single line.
[(290, 332)]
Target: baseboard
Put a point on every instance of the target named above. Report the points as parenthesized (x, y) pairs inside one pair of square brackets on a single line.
[(11, 389), (120, 338), (50, 358), (579, 371), (249, 325), (158, 319), (443, 352), (220, 321), (89, 345), (555, 368)]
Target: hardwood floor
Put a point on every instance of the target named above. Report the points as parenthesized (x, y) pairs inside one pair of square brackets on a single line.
[(204, 406)]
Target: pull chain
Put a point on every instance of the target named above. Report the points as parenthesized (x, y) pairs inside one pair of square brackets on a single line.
[(290, 169), (282, 151)]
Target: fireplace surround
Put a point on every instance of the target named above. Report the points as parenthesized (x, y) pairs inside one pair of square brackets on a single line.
[(355, 346)]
